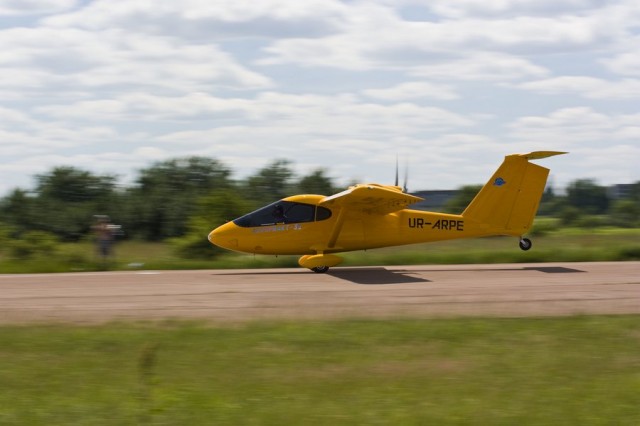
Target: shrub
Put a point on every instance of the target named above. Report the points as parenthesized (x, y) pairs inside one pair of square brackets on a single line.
[(195, 245), (32, 244), (630, 253), (591, 221), (626, 214), (544, 226)]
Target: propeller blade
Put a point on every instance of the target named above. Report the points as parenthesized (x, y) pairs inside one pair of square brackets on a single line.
[(396, 182), (406, 177)]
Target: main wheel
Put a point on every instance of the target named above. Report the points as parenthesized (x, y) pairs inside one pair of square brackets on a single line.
[(525, 244), (320, 269)]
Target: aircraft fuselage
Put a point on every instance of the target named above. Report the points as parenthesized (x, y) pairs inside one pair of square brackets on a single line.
[(356, 232)]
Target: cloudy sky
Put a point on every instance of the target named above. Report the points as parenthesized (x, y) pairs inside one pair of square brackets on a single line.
[(450, 86)]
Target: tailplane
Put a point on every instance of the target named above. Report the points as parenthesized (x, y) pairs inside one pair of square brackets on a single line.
[(508, 202)]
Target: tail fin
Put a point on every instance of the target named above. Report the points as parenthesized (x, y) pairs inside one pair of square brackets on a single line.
[(509, 201)]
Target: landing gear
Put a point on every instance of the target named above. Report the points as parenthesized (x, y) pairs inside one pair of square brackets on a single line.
[(319, 263), (525, 244)]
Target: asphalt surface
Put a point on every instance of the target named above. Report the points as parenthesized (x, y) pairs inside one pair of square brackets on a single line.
[(506, 290)]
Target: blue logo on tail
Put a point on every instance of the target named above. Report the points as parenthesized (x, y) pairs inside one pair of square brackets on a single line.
[(499, 182)]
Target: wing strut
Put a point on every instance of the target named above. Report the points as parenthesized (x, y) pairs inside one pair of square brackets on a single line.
[(335, 232)]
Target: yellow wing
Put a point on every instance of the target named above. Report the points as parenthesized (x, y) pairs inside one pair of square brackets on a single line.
[(371, 198)]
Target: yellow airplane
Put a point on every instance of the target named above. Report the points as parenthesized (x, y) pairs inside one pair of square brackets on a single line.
[(367, 216)]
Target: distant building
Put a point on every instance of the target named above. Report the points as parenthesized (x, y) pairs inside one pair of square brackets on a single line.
[(620, 191), (433, 200)]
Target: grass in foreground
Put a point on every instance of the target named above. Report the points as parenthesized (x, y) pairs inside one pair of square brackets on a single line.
[(579, 370)]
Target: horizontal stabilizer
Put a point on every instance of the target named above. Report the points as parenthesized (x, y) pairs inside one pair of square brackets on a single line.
[(536, 155)]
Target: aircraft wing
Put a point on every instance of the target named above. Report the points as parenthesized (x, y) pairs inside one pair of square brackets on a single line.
[(371, 198)]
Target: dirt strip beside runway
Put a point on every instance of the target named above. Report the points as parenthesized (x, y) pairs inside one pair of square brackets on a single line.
[(506, 290)]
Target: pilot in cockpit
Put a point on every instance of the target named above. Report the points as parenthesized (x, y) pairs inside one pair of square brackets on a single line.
[(278, 213)]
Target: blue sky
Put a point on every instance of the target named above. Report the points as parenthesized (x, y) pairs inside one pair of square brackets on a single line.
[(112, 86)]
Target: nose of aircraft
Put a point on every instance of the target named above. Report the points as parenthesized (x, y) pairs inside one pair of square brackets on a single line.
[(223, 236)]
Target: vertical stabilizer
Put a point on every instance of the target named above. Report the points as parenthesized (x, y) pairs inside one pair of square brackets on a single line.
[(508, 202)]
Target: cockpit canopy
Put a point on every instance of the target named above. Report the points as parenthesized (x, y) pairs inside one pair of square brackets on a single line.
[(283, 212)]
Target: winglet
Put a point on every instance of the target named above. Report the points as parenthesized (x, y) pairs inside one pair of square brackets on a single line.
[(536, 155)]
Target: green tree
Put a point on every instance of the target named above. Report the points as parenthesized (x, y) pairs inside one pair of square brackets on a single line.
[(68, 184), (271, 183), (625, 213), (570, 215), (587, 196), (465, 194), (550, 203), (316, 183), (17, 210), (5, 236), (63, 203), (634, 194), (211, 211), (164, 195)]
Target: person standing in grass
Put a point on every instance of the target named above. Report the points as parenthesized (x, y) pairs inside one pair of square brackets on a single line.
[(104, 237)]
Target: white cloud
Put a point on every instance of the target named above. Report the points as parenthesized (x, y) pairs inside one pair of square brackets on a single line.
[(464, 8), (11, 116), (380, 38), (413, 90), (625, 64), (487, 66), (588, 87), (117, 84), (210, 20), (66, 59), (576, 127), (150, 153), (608, 165), (35, 7), (146, 107), (122, 163), (573, 124), (49, 137), (288, 113), (601, 146)]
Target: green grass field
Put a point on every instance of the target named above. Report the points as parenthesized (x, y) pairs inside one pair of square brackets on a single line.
[(566, 245), (569, 371), (570, 245), (575, 370)]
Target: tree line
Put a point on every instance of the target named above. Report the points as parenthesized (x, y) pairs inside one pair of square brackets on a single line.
[(584, 204), (160, 203), (186, 197)]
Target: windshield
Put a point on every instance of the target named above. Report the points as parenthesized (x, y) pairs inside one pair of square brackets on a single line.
[(283, 212)]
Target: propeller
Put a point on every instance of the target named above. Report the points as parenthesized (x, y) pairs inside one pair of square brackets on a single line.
[(406, 175), (396, 181)]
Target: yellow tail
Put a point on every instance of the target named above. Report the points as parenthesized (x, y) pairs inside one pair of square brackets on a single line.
[(508, 202)]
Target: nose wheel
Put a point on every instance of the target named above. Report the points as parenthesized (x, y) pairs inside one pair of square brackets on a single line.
[(525, 244), (320, 269)]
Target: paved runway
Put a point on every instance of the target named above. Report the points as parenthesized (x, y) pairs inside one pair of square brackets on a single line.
[(510, 290)]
